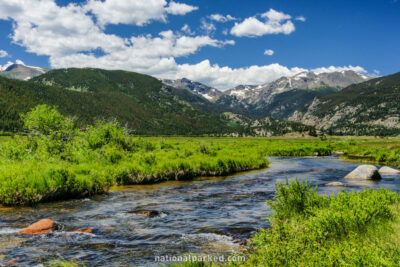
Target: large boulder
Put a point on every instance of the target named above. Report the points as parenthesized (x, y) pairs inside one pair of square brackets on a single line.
[(364, 172), (44, 226), (388, 170)]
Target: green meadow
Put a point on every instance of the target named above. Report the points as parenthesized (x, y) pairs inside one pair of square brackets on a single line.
[(56, 160)]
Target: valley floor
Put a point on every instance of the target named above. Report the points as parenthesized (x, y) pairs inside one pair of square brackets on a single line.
[(37, 169), (348, 229)]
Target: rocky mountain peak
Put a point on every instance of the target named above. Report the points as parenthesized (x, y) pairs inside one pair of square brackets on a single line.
[(203, 90), (302, 80), (20, 71)]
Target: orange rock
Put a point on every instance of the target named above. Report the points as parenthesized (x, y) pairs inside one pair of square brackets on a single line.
[(84, 230), (13, 261), (145, 214), (44, 226)]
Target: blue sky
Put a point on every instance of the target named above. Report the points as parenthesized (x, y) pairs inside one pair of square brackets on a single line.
[(221, 51)]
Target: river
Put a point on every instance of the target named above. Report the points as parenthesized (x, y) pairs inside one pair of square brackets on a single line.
[(206, 216)]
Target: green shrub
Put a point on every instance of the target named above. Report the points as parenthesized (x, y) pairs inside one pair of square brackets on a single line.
[(350, 229), (44, 119), (294, 198), (102, 133)]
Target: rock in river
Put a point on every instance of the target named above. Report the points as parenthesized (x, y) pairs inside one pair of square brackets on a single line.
[(388, 170), (364, 172), (84, 230), (335, 184), (13, 261), (44, 226)]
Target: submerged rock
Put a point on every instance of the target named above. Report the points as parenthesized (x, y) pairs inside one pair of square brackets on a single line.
[(317, 171), (388, 170), (239, 234), (150, 213), (335, 184), (13, 261), (84, 230), (364, 172), (44, 226), (147, 213)]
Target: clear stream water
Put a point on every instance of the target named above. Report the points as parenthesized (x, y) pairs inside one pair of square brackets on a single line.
[(206, 216)]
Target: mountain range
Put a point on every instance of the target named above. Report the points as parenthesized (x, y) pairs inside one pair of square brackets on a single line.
[(280, 98), (338, 103), (371, 107), (343, 102)]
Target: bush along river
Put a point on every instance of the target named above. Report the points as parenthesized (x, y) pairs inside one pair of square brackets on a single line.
[(133, 224)]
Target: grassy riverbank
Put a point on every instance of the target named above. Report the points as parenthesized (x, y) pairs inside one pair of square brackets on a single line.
[(59, 161), (34, 169), (351, 229), (385, 151), (43, 168)]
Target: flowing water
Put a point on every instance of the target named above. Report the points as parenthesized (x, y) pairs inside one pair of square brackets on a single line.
[(205, 216)]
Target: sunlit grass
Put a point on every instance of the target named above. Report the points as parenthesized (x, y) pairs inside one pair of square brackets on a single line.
[(349, 229), (70, 163), (33, 169)]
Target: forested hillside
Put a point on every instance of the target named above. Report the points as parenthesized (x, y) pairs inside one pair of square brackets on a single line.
[(139, 101)]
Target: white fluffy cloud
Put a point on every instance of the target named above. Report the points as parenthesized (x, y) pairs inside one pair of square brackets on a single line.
[(222, 18), (179, 8), (70, 37), (274, 15), (269, 52), (3, 53), (137, 12), (274, 22), (169, 44), (335, 69), (47, 29), (145, 54), (208, 27), (186, 29)]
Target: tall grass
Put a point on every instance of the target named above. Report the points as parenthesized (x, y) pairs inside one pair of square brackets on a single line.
[(383, 151), (350, 229)]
